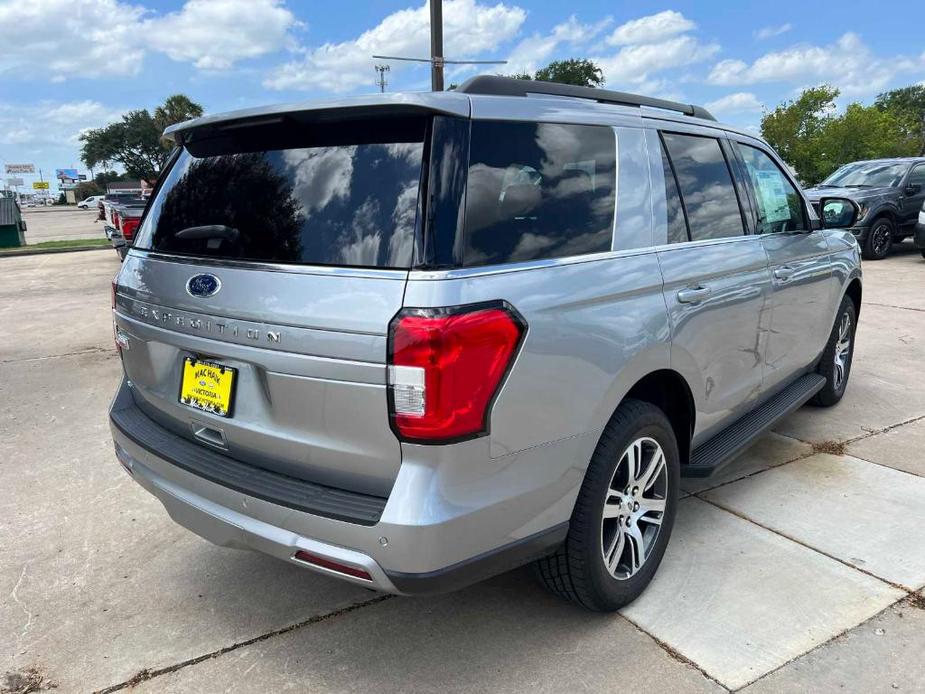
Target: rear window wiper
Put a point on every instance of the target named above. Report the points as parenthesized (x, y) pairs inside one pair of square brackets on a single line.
[(208, 231)]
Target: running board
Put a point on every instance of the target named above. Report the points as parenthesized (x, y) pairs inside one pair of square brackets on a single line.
[(713, 454)]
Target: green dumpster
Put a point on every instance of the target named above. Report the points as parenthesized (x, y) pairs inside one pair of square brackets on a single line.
[(12, 225)]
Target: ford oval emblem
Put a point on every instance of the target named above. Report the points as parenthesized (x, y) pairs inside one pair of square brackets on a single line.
[(203, 285)]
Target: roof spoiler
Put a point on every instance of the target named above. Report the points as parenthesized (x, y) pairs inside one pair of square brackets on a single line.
[(508, 86)]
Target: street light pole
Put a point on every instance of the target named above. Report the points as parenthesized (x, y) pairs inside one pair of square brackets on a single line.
[(436, 45)]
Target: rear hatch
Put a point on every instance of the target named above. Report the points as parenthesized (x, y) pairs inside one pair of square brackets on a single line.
[(277, 251)]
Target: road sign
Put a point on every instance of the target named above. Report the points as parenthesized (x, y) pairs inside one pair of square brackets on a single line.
[(20, 168), (40, 185), (14, 182), (82, 177)]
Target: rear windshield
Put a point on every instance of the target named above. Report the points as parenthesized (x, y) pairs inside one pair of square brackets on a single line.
[(342, 195)]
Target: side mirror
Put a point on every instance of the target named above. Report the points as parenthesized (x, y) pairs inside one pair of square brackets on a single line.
[(838, 213), (913, 188)]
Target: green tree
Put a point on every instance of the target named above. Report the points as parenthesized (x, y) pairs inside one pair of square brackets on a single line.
[(795, 127), (815, 139), (135, 142), (175, 109), (577, 71), (861, 132), (907, 105)]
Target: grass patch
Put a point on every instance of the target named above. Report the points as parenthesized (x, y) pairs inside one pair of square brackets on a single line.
[(57, 245)]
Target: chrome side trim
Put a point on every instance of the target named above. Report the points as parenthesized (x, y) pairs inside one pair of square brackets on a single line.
[(466, 273)]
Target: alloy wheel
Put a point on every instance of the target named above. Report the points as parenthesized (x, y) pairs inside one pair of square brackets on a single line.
[(634, 506), (842, 349), (881, 239)]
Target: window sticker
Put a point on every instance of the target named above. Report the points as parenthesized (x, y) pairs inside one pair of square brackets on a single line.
[(772, 194)]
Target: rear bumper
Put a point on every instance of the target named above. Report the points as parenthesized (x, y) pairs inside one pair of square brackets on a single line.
[(402, 551)]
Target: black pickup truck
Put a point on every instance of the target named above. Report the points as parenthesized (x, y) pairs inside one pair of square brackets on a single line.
[(889, 192)]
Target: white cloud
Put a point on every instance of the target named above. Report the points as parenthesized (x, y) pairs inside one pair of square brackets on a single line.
[(635, 64), (847, 64), (772, 31), (215, 34), (651, 28), (469, 29), (535, 51), (61, 38), (739, 102), (52, 123)]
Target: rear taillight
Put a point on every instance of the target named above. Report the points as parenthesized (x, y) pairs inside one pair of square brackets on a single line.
[(128, 228), (446, 366), (115, 219)]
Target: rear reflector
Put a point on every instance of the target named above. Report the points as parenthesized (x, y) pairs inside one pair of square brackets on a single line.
[(446, 365), (315, 560)]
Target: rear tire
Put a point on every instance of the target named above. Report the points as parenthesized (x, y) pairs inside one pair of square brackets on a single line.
[(879, 239), (630, 491), (835, 364)]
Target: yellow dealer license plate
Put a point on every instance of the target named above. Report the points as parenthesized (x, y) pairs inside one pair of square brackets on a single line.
[(208, 386)]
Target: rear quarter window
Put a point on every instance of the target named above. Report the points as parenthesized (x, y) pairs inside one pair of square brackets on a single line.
[(538, 190)]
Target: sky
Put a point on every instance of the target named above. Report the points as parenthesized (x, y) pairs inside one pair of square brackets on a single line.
[(70, 65)]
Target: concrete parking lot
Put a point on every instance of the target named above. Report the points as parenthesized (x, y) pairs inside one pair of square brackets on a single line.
[(800, 568), (61, 224)]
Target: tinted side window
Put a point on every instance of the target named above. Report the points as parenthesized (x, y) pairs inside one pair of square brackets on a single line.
[(538, 190), (917, 176), (677, 224), (706, 186), (780, 207)]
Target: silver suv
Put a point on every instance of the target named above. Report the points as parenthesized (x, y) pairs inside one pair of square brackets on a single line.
[(415, 340)]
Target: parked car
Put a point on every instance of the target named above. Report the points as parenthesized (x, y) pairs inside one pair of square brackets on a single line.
[(89, 202), (413, 341), (126, 217), (108, 208), (920, 231), (889, 192)]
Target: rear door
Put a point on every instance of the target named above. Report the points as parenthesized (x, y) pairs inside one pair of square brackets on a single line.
[(913, 195), (276, 255), (801, 268), (716, 282)]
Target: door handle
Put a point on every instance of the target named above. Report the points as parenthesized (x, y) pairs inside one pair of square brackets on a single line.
[(783, 273), (694, 294)]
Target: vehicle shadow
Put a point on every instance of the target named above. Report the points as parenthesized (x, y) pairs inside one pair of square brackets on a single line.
[(504, 633)]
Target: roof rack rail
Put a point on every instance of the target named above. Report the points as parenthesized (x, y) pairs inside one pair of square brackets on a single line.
[(509, 86)]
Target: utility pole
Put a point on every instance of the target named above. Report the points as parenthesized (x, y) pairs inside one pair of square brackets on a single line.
[(436, 45), (382, 69), (436, 59)]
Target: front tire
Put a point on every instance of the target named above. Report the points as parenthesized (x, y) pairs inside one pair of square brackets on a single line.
[(838, 355), (879, 240), (624, 514)]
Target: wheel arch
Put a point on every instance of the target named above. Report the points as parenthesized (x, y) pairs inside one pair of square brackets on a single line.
[(661, 388), (854, 290)]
